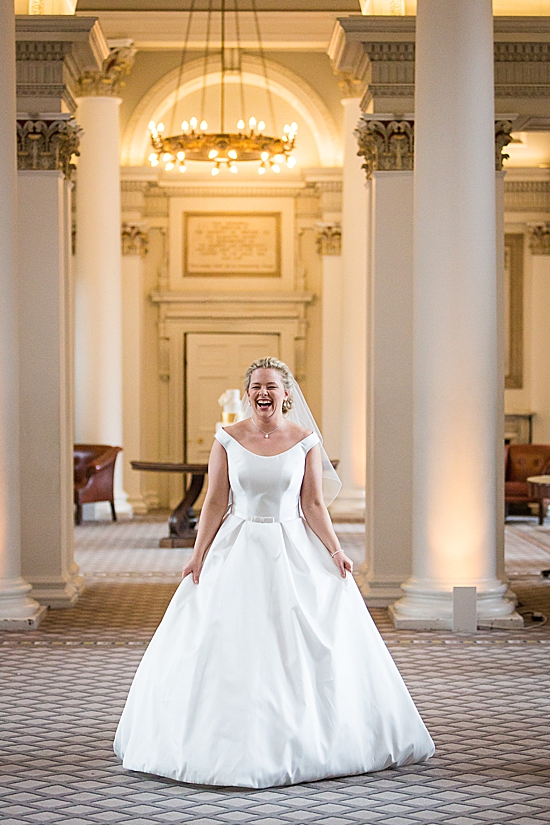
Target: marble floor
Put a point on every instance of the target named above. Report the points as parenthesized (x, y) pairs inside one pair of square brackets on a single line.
[(485, 698)]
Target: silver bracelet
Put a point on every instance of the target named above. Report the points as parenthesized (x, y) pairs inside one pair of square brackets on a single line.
[(336, 551)]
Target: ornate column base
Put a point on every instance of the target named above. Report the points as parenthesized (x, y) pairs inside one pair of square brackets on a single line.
[(56, 591), (429, 606), (17, 610)]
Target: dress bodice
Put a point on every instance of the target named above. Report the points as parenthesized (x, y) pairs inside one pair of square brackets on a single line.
[(266, 486)]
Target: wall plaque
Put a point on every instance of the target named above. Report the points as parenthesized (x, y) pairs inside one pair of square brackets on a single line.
[(232, 245)]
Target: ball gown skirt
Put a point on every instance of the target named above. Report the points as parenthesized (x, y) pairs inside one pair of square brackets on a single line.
[(270, 671)]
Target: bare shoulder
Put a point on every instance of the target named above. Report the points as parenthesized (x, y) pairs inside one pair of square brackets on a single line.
[(238, 429), (297, 431)]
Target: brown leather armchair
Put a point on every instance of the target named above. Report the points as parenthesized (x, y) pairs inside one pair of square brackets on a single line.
[(94, 469), (522, 461)]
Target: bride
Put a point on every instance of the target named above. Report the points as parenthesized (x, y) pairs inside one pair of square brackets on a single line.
[(267, 668)]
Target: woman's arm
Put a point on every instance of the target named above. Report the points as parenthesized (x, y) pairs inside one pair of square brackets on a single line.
[(315, 512), (213, 510)]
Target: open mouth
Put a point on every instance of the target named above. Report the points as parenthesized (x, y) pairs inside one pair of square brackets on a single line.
[(264, 404)]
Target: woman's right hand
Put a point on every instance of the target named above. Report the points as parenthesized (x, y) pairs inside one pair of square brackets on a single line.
[(193, 568)]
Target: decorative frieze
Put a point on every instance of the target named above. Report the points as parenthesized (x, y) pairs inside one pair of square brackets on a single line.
[(135, 240), (539, 238), (527, 195), (48, 145), (385, 144), (110, 80), (379, 54), (329, 239)]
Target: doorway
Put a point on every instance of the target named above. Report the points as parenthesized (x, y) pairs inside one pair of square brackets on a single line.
[(214, 363)]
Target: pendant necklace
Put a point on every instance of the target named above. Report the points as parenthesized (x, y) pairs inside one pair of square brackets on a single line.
[(266, 435)]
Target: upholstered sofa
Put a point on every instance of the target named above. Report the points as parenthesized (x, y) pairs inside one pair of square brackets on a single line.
[(521, 462), (94, 469)]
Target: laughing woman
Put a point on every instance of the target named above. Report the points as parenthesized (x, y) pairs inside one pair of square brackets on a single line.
[(267, 668)]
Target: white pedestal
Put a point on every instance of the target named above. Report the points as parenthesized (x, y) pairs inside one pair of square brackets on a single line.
[(45, 296), (388, 518)]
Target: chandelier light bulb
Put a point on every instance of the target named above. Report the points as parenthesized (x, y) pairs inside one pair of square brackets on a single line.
[(240, 124), (294, 127), (265, 156), (193, 122), (286, 129), (152, 156), (166, 157), (160, 127), (232, 154), (279, 158), (169, 166), (216, 170), (213, 153), (181, 155), (233, 167), (252, 122), (155, 162), (182, 167), (152, 126), (261, 126), (204, 125), (275, 168), (261, 169), (291, 162)]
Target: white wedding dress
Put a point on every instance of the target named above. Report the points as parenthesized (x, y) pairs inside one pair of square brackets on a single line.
[(270, 671)]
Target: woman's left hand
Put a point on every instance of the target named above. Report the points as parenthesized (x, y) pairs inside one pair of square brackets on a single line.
[(343, 563)]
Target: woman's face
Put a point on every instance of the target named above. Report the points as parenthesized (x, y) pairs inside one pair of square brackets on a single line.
[(266, 393)]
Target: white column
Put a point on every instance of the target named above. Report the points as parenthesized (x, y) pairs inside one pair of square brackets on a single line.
[(388, 511), (456, 389), (45, 294), (332, 354), (132, 342), (351, 501), (98, 315), (17, 610)]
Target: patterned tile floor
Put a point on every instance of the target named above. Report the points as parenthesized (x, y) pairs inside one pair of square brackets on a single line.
[(485, 699)]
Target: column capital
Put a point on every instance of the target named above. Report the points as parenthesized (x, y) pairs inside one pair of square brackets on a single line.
[(350, 85), (503, 137), (386, 143), (48, 144), (109, 80), (328, 238), (135, 239), (539, 238)]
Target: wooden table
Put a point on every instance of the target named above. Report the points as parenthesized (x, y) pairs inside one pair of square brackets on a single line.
[(539, 487), (183, 521)]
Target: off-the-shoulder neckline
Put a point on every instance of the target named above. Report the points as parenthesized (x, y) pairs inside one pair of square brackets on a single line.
[(267, 456)]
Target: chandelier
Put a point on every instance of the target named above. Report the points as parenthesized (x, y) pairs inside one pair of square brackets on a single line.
[(227, 148)]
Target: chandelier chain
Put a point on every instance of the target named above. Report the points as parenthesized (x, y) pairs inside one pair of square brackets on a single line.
[(182, 63), (241, 82), (205, 65), (264, 64)]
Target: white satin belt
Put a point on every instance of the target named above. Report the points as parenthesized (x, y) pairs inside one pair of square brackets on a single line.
[(262, 519)]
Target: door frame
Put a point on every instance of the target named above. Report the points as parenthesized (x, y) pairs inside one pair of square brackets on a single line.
[(254, 313)]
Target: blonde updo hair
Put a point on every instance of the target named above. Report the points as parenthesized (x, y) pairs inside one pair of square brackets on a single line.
[(282, 369)]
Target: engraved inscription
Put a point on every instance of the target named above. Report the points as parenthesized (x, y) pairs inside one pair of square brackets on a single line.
[(231, 245)]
